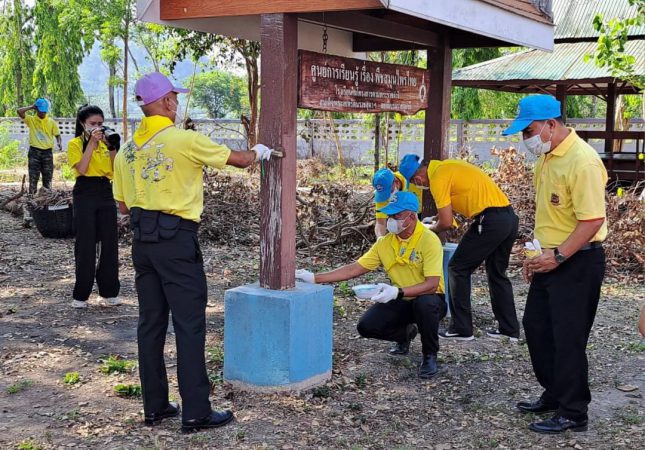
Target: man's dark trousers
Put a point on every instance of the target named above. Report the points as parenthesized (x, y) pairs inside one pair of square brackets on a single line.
[(560, 310), (388, 321), (40, 161), (498, 233), (170, 277), (95, 222)]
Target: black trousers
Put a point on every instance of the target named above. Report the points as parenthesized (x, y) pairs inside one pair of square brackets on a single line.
[(40, 162), (560, 310), (170, 277), (498, 233), (388, 321), (96, 227)]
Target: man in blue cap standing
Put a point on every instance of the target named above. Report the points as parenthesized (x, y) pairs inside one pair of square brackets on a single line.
[(570, 224), (412, 256), (42, 132)]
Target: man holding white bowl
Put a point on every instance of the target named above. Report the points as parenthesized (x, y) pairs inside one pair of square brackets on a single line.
[(412, 256)]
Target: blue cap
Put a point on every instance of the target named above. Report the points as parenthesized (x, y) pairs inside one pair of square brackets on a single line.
[(534, 107), (42, 105), (410, 163), (382, 182), (403, 201)]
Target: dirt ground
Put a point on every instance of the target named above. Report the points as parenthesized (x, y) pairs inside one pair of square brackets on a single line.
[(373, 401)]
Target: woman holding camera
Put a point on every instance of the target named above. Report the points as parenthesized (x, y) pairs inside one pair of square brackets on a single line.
[(91, 156)]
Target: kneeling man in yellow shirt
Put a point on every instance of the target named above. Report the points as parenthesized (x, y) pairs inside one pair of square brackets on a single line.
[(412, 256)]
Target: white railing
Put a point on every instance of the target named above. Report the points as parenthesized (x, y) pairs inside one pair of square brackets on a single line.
[(356, 137)]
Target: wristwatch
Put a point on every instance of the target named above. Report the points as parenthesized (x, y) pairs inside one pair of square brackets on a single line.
[(400, 295), (559, 257)]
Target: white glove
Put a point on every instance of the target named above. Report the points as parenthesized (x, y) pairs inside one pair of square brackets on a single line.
[(429, 220), (262, 152), (386, 294), (305, 275)]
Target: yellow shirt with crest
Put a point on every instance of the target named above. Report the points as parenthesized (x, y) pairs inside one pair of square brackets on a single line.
[(569, 186), (161, 168), (41, 131), (100, 163), (406, 187), (424, 260)]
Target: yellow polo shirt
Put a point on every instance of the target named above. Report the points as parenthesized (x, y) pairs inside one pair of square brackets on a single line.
[(464, 186), (406, 187), (425, 260), (41, 131), (569, 186), (100, 162), (161, 168)]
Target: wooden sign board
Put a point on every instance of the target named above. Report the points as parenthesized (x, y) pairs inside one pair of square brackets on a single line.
[(335, 83)]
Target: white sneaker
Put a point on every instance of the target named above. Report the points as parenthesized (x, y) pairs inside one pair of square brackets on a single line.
[(79, 304), (112, 301), (495, 334)]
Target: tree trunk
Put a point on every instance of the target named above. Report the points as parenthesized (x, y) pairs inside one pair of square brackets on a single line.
[(125, 73), (377, 141), (112, 69)]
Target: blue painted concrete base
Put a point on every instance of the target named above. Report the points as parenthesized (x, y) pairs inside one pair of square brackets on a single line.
[(448, 251), (278, 340)]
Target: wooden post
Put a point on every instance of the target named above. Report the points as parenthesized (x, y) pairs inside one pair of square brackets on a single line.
[(437, 122), (610, 125), (279, 79), (561, 95)]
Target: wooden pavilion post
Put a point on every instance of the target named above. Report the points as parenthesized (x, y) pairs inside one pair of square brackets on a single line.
[(610, 125), (437, 121), (279, 79), (561, 95)]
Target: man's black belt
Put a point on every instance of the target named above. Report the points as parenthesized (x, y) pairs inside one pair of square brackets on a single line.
[(494, 209), (591, 246), (153, 226)]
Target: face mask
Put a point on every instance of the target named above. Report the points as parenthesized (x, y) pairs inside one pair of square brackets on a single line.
[(395, 226), (535, 145), (179, 116), (393, 195)]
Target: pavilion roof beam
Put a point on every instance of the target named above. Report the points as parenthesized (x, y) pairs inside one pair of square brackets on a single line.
[(375, 26)]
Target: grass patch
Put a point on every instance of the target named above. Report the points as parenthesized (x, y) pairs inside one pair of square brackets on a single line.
[(215, 355), (117, 364), (28, 445), (322, 392), (19, 386), (71, 378), (361, 381), (128, 390)]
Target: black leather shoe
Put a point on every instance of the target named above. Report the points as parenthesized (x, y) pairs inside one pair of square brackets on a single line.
[(172, 410), (402, 348), (428, 367), (213, 420), (538, 406), (559, 424)]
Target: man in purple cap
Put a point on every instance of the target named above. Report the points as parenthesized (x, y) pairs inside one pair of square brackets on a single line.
[(158, 181), (570, 224)]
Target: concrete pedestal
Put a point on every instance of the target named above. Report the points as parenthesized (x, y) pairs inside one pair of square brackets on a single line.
[(278, 340), (448, 251)]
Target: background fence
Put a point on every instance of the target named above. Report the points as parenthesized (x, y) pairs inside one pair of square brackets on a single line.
[(320, 138)]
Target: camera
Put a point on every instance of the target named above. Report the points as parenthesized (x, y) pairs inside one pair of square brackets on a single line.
[(112, 138)]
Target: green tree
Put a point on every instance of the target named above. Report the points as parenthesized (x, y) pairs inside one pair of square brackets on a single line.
[(16, 57), (61, 44), (220, 93), (614, 34)]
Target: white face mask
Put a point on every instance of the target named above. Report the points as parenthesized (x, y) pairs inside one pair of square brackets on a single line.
[(179, 116), (395, 226), (535, 145), (393, 195)]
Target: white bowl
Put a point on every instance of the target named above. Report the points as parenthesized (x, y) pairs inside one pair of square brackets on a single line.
[(366, 291)]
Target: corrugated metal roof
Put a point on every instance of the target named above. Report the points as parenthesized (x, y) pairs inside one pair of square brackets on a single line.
[(565, 63), (574, 18)]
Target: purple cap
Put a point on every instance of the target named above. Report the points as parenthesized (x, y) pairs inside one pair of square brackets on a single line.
[(151, 87)]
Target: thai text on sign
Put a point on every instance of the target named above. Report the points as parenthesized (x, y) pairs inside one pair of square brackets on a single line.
[(335, 83)]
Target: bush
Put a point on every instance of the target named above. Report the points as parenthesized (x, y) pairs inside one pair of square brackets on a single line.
[(10, 155)]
